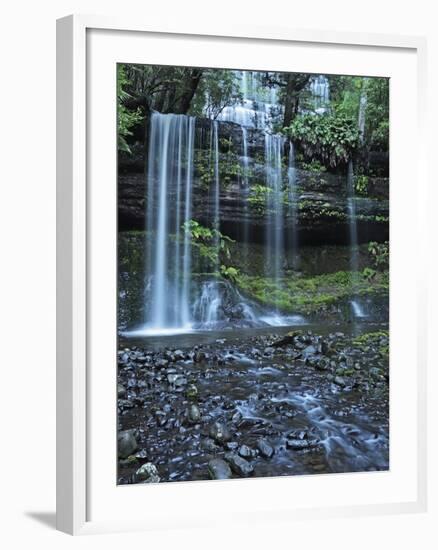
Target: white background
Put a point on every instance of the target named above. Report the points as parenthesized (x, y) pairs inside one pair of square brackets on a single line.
[(27, 216)]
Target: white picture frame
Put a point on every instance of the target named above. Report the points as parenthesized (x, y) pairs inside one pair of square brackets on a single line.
[(76, 234)]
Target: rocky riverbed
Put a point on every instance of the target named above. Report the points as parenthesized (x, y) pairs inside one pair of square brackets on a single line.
[(253, 404)]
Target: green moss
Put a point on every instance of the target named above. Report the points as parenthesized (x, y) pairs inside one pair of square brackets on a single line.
[(371, 338), (384, 352), (308, 295)]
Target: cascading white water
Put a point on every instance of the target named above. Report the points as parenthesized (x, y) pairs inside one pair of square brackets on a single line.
[(354, 245), (245, 163), (274, 206), (210, 296), (207, 306), (244, 193), (170, 175), (292, 206), (320, 90), (254, 111)]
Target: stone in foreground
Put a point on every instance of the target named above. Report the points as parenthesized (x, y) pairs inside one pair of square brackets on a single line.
[(219, 469), (239, 465), (148, 473), (127, 443), (265, 448), (301, 444), (220, 433)]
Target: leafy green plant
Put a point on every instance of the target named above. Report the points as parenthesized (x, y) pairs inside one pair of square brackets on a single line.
[(258, 197), (126, 119), (379, 254), (361, 184), (231, 273), (313, 166), (331, 139), (369, 273), (211, 244), (229, 166)]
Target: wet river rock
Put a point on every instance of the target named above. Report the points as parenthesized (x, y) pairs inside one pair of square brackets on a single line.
[(219, 469), (220, 433), (127, 443), (265, 449), (194, 414), (239, 465), (148, 473)]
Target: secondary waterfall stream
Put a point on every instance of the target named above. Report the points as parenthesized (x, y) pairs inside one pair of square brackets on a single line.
[(354, 244)]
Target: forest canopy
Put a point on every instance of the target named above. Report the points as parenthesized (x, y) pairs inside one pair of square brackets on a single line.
[(352, 120)]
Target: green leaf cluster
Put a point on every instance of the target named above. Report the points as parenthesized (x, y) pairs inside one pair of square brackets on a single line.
[(331, 139), (126, 119), (258, 197), (212, 245), (380, 254)]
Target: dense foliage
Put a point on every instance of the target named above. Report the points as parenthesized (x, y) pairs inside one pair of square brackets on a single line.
[(329, 138), (211, 244), (353, 120), (217, 89), (126, 118)]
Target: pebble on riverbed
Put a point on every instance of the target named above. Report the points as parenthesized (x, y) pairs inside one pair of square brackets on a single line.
[(194, 414), (220, 433), (127, 443), (265, 448), (301, 444), (219, 469), (148, 473), (239, 465)]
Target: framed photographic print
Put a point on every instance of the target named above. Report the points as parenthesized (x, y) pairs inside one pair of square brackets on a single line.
[(239, 274)]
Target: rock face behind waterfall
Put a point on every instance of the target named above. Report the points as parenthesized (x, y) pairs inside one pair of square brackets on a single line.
[(321, 196)]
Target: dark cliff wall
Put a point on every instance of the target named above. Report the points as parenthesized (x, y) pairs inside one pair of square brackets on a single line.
[(320, 197)]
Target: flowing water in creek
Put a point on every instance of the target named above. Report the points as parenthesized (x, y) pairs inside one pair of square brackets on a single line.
[(312, 424)]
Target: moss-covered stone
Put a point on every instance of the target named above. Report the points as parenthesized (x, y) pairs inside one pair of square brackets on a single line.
[(307, 295)]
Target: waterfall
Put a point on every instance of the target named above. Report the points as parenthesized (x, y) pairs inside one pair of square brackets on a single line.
[(274, 206), (244, 193), (352, 221), (320, 90), (207, 306), (187, 272), (170, 175), (253, 111), (173, 301), (354, 245), (292, 206), (210, 299), (245, 156)]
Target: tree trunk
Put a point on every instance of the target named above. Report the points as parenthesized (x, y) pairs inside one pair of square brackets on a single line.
[(189, 89), (295, 83), (289, 101)]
